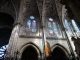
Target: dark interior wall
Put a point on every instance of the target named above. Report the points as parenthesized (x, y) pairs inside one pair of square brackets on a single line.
[(6, 19), (73, 9), (59, 54), (6, 25), (1, 2), (30, 53)]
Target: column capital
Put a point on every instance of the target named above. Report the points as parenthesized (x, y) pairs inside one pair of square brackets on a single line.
[(17, 23)]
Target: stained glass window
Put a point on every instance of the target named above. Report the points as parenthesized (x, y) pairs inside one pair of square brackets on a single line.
[(52, 26), (34, 26), (31, 24), (76, 28), (68, 27), (55, 27)]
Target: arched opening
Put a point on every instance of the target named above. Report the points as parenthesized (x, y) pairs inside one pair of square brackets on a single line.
[(59, 54), (30, 53), (6, 26)]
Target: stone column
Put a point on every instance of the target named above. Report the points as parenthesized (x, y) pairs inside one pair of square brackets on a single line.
[(12, 50), (12, 46)]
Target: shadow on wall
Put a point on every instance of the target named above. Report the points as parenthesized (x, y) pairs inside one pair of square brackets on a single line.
[(6, 26), (77, 45), (30, 53), (59, 54)]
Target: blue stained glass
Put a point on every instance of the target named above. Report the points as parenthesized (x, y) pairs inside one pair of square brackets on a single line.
[(55, 28), (54, 25), (75, 26), (68, 27), (31, 25), (28, 26), (34, 26), (50, 27)]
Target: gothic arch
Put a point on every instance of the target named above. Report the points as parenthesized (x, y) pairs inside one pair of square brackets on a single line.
[(59, 52), (25, 46), (61, 47), (6, 26), (9, 10)]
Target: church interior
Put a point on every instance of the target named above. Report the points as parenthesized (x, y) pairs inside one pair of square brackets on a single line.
[(39, 29)]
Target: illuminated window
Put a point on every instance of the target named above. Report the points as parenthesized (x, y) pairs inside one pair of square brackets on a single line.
[(31, 17), (31, 24), (76, 28), (52, 26), (68, 27)]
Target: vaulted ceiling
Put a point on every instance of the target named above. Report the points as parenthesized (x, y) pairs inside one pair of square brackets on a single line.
[(37, 7), (52, 7)]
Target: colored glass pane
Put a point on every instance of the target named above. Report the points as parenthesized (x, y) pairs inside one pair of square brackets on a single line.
[(68, 27), (76, 28), (34, 26), (28, 26), (31, 25), (52, 27)]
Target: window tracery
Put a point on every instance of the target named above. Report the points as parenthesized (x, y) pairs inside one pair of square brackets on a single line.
[(31, 24)]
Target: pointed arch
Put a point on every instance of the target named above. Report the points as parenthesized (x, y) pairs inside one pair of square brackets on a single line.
[(10, 8), (61, 47), (30, 44), (59, 52), (6, 26)]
